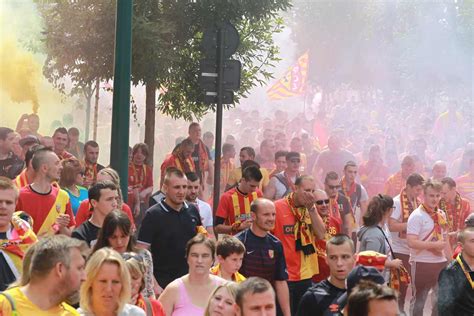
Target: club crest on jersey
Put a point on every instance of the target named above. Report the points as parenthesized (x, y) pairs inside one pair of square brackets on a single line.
[(271, 253)]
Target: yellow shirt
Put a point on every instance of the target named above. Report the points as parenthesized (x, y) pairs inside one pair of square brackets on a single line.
[(25, 307), (236, 174)]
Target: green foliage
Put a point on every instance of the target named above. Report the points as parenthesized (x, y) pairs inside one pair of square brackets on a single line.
[(166, 38)]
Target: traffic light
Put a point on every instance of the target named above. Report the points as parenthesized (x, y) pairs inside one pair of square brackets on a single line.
[(219, 75)]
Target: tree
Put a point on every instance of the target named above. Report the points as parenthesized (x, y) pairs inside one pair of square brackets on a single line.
[(166, 37), (73, 51)]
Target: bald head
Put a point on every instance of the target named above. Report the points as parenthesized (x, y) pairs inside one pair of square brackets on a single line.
[(322, 202), (439, 170)]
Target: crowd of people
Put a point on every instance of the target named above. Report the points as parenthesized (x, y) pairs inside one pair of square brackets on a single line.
[(314, 218)]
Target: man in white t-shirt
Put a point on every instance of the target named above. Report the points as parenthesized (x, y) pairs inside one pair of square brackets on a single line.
[(194, 184), (429, 246), (397, 224)]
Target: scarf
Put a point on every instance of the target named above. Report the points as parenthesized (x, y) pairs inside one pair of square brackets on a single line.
[(439, 223), (407, 208), (453, 215), (465, 270), (137, 176), (290, 183), (334, 208), (21, 238), (348, 193), (203, 157), (398, 277), (303, 228), (90, 172)]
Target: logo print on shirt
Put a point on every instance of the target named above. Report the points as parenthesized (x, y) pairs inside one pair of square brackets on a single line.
[(250, 252), (271, 253)]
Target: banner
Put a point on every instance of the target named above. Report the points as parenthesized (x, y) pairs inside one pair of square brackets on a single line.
[(293, 82)]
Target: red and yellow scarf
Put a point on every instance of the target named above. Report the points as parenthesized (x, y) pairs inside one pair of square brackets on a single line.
[(303, 228), (439, 223), (334, 208), (138, 175), (203, 157), (407, 207), (15, 247), (453, 214), (90, 172), (352, 189)]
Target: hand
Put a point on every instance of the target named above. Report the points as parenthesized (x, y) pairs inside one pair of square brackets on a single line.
[(136, 209), (245, 224), (308, 199), (396, 263), (63, 220)]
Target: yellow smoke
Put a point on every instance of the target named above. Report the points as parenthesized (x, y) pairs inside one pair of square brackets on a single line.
[(19, 73)]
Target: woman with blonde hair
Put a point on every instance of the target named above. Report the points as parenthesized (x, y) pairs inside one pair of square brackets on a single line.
[(72, 180), (106, 290), (136, 266), (222, 301), (85, 210)]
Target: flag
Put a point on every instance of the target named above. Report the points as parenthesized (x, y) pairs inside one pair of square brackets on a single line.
[(293, 82)]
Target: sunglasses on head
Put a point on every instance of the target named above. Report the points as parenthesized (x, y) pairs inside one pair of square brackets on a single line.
[(321, 202)]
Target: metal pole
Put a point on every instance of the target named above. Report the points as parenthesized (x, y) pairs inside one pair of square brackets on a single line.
[(220, 75), (121, 100)]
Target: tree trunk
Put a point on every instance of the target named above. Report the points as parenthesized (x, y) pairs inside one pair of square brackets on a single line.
[(96, 109), (150, 118), (88, 96)]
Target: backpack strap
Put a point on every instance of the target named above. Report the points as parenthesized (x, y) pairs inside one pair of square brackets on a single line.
[(283, 181), (11, 301)]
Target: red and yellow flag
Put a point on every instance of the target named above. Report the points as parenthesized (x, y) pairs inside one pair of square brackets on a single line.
[(293, 82)]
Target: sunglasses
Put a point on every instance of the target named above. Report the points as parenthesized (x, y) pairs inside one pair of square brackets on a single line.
[(334, 187), (132, 255), (295, 160), (321, 202)]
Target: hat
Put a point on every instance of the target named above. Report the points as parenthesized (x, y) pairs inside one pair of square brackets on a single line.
[(28, 140), (372, 259), (358, 274)]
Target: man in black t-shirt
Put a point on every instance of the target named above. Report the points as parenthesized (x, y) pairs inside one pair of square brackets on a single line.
[(339, 206), (10, 164), (103, 197), (167, 227), (321, 299), (264, 255)]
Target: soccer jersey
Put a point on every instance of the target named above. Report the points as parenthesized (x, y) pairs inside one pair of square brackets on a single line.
[(394, 184), (234, 206), (333, 227), (263, 258), (140, 177), (25, 307), (45, 208), (300, 266)]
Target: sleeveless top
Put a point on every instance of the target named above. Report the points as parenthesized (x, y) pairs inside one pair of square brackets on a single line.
[(184, 306)]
